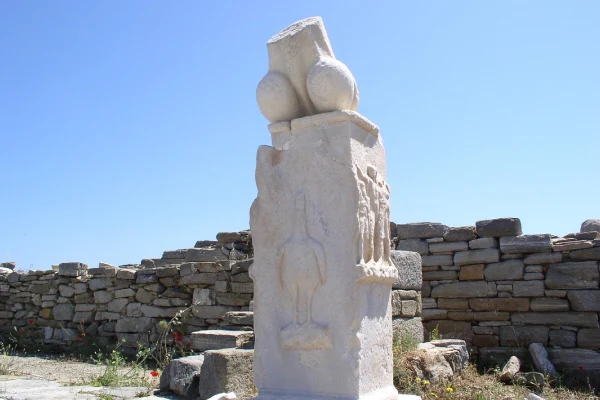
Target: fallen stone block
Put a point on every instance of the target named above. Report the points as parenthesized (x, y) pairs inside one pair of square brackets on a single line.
[(510, 369), (220, 339), (440, 360), (540, 359), (182, 376), (228, 370), (240, 317)]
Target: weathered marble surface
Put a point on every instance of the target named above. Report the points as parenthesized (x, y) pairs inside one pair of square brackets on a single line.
[(323, 269)]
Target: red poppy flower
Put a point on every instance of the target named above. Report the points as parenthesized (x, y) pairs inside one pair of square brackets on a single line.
[(154, 373), (30, 322), (580, 368), (179, 337), (187, 345)]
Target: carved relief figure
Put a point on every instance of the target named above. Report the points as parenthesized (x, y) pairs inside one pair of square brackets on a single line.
[(302, 264), (363, 236), (373, 236)]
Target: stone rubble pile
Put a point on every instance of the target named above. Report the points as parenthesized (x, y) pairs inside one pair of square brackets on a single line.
[(500, 290)]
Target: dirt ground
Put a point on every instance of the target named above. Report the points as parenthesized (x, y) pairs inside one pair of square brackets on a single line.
[(53, 368)]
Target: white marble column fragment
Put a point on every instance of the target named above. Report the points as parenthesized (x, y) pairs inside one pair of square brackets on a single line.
[(320, 226)]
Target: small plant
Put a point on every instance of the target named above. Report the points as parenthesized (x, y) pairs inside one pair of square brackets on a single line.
[(435, 334), (7, 363), (118, 372)]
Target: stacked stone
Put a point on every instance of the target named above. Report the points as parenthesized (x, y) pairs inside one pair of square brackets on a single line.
[(406, 296), (500, 290), (130, 303)]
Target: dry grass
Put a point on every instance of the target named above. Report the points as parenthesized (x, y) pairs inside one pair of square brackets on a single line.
[(472, 385)]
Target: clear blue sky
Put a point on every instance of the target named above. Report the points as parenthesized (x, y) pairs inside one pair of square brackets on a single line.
[(129, 128)]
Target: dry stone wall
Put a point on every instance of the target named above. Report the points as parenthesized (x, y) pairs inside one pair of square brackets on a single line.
[(129, 303), (488, 284), (500, 290)]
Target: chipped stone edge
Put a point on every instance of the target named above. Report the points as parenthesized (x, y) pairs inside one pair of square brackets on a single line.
[(329, 118)]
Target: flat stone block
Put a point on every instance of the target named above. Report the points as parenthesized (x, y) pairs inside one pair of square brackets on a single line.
[(133, 325), (584, 300), (220, 339), (525, 244), (417, 245), (573, 275), (436, 261), (458, 234), (471, 272), (579, 319), (549, 304), (228, 370), (483, 243), (448, 247), (563, 338), (239, 317), (482, 256), (573, 359), (453, 304), (439, 275), (408, 264), (543, 258), (209, 312), (528, 288), (503, 304), (433, 313), (126, 274), (520, 336), (63, 312), (557, 293), (506, 270), (420, 230), (485, 341), (71, 269), (498, 227), (465, 290), (205, 279), (479, 316), (585, 254), (589, 339), (429, 303), (412, 327), (212, 255)]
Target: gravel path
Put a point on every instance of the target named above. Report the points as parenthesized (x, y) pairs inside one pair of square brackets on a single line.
[(53, 378), (53, 369)]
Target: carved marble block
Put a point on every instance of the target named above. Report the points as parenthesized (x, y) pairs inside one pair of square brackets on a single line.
[(320, 226), (304, 76)]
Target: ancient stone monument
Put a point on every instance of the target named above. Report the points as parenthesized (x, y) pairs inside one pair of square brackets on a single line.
[(320, 224)]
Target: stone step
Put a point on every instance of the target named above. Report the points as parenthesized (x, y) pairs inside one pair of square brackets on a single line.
[(240, 317), (221, 339)]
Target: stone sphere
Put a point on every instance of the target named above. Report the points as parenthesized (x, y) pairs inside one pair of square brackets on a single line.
[(277, 99), (331, 86)]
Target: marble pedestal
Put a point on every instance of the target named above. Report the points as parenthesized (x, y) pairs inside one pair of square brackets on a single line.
[(322, 269)]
